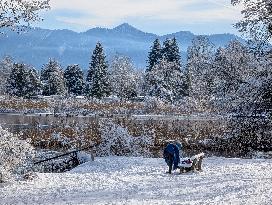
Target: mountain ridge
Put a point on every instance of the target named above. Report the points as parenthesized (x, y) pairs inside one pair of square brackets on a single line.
[(69, 47)]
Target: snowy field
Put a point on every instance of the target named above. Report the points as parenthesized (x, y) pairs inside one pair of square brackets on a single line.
[(130, 180)]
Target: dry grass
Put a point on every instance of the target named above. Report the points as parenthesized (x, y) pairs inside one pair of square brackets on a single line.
[(81, 134), (86, 105), (22, 104)]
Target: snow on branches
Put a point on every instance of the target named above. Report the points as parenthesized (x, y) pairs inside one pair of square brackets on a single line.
[(16, 14), (124, 78), (53, 79), (257, 20), (116, 140), (16, 156)]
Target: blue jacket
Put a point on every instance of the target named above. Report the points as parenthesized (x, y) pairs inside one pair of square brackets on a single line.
[(171, 155)]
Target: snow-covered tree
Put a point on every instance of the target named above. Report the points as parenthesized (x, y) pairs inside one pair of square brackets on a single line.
[(257, 18), (124, 79), (74, 79), (165, 81), (6, 65), (33, 83), (200, 71), (116, 140), (17, 13), (16, 81), (23, 81), (170, 51), (52, 79), (235, 74), (166, 77), (16, 156), (154, 56), (97, 82)]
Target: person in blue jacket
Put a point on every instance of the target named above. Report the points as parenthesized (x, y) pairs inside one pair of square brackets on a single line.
[(171, 155)]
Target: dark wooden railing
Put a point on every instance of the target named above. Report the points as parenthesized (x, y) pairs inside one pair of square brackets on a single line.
[(66, 165), (73, 153)]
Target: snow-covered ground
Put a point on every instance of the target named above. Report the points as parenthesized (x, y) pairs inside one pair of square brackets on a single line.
[(131, 180)]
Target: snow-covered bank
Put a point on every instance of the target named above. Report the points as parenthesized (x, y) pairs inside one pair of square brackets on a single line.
[(131, 180)]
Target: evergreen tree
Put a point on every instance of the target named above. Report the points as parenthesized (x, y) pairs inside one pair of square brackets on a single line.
[(167, 50), (74, 79), (170, 51), (52, 79), (16, 81), (170, 82), (23, 81), (167, 81), (154, 56), (33, 84), (97, 82), (6, 65)]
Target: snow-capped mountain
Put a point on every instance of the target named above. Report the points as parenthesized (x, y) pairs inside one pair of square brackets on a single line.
[(68, 47)]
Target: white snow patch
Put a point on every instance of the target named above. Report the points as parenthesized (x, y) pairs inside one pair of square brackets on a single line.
[(136, 180)]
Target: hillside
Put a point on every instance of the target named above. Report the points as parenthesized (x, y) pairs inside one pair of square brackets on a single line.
[(38, 45)]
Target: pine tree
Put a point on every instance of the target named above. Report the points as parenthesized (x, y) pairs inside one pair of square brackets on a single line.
[(52, 79), (16, 81), (6, 65), (23, 81), (97, 82), (171, 81), (167, 50), (170, 51), (167, 81), (33, 84), (154, 56), (74, 79)]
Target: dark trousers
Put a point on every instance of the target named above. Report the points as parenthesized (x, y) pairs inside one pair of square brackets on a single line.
[(170, 162)]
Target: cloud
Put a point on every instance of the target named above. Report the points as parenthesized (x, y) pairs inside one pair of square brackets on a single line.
[(109, 13)]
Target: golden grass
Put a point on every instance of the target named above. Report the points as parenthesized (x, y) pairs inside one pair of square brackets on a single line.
[(22, 104), (82, 134)]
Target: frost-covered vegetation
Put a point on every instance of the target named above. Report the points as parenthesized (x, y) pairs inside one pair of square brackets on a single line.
[(230, 84), (18, 14), (16, 157), (218, 101)]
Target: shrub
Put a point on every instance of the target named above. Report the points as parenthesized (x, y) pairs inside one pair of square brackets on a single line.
[(16, 157)]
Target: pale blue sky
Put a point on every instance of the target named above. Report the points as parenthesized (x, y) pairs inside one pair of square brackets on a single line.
[(155, 16)]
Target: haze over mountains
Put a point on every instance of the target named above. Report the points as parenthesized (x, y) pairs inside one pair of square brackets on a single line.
[(68, 47)]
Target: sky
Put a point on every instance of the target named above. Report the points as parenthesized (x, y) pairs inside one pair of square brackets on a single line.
[(154, 16)]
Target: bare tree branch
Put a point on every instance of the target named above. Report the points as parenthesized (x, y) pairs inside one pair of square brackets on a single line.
[(16, 14)]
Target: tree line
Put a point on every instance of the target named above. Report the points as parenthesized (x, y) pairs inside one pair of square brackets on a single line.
[(120, 78), (211, 78)]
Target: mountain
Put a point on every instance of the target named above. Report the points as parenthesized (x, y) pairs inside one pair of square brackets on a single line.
[(68, 47)]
